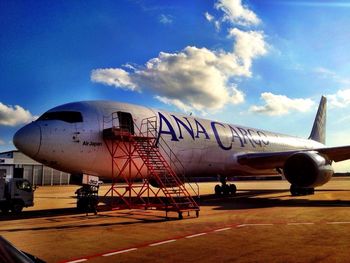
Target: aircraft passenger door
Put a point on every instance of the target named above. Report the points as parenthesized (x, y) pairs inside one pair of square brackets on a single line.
[(126, 122)]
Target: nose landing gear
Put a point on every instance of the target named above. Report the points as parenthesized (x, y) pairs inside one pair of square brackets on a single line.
[(225, 189)]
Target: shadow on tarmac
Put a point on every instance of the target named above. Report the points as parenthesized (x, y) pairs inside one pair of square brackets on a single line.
[(253, 199), (246, 199)]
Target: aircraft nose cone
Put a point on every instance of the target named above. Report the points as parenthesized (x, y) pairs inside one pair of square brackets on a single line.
[(28, 139)]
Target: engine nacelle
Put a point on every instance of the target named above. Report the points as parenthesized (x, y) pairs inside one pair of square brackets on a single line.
[(307, 169)]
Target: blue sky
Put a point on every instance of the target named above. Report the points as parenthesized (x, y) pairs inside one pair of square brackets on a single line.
[(256, 63)]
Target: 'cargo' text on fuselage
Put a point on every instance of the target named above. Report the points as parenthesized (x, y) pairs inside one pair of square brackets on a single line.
[(237, 135)]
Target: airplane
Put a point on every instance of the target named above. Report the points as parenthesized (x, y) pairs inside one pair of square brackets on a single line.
[(70, 138)]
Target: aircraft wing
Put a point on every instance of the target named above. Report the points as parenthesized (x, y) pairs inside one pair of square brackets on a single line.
[(337, 154), (270, 160)]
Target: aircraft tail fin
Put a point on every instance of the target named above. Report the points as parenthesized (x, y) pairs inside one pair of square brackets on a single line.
[(318, 132)]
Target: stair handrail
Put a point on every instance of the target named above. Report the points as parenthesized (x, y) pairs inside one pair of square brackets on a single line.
[(151, 131)]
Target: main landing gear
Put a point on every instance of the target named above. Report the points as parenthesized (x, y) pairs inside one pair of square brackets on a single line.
[(297, 191), (225, 189)]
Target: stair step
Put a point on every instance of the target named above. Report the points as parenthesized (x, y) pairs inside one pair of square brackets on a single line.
[(160, 168)]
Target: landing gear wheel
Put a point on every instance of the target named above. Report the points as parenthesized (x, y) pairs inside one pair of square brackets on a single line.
[(233, 189), (218, 190), (5, 209), (226, 189), (293, 190), (17, 207)]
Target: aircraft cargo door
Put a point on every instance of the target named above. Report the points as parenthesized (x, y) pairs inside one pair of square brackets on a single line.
[(126, 122)]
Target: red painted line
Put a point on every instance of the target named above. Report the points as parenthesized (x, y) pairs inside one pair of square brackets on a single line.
[(119, 251), (129, 249), (173, 239)]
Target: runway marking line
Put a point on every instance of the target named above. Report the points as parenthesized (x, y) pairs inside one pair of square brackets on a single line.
[(134, 248), (119, 252), (196, 235), (78, 260), (222, 229), (244, 225), (162, 242), (337, 223), (301, 223)]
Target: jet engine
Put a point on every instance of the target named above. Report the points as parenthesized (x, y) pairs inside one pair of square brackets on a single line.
[(307, 169)]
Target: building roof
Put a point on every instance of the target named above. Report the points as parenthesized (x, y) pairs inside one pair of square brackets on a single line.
[(18, 157)]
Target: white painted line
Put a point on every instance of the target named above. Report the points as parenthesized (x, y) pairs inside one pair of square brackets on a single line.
[(196, 235), (243, 225), (78, 260), (296, 224), (119, 252), (163, 242), (222, 229), (259, 224), (337, 223)]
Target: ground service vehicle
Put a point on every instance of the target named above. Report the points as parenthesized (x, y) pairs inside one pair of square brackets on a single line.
[(15, 193)]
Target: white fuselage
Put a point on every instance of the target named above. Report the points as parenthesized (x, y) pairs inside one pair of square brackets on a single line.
[(204, 147)]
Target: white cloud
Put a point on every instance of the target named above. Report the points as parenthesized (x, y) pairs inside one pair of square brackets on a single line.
[(196, 79), (236, 13), (113, 77), (179, 104), (249, 45), (276, 105), (340, 99), (208, 16), (212, 19), (165, 19), (14, 115), (217, 25), (2, 142), (325, 73)]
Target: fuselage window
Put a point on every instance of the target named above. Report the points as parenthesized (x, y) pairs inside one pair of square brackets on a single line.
[(67, 116)]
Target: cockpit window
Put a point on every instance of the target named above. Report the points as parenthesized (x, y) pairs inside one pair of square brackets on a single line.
[(67, 116)]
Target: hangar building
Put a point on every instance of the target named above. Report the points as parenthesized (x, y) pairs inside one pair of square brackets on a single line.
[(18, 165)]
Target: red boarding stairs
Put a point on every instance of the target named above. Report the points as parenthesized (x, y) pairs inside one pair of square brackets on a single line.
[(139, 160)]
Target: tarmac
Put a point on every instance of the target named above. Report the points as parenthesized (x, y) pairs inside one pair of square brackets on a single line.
[(262, 223)]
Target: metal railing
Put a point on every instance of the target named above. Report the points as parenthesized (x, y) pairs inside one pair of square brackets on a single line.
[(149, 129), (150, 125)]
